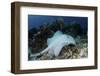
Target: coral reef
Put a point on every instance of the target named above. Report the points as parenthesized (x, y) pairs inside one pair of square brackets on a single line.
[(40, 38)]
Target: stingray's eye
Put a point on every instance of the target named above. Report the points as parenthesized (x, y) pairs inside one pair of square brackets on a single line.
[(71, 45)]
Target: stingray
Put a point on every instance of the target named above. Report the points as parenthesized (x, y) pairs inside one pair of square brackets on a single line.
[(56, 43)]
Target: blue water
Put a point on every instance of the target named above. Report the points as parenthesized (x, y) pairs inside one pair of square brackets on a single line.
[(37, 20)]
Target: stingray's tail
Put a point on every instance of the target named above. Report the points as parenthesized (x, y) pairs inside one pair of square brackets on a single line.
[(38, 54)]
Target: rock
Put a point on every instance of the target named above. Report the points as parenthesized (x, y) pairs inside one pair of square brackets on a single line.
[(84, 53), (70, 52)]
